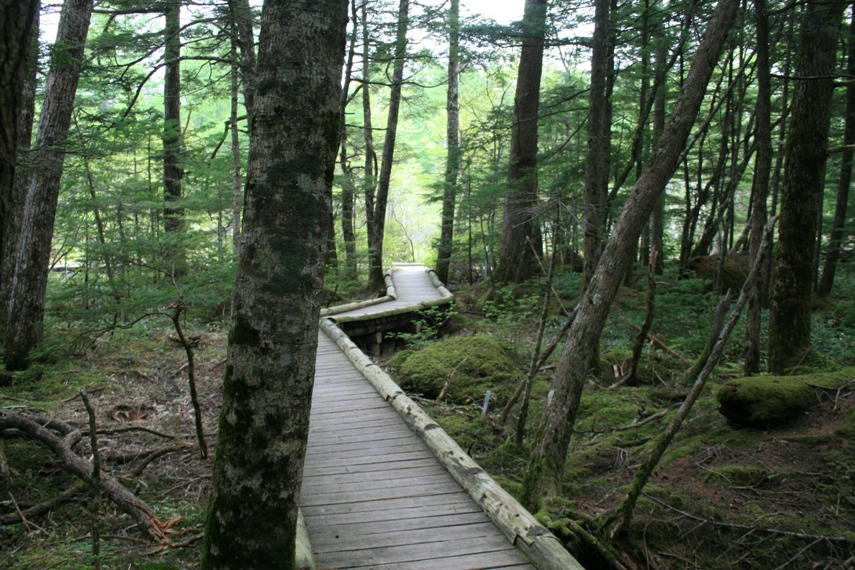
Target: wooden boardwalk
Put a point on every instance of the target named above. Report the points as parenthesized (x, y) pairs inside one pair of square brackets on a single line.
[(374, 496)]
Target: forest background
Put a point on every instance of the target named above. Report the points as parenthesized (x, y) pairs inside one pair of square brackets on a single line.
[(147, 195)]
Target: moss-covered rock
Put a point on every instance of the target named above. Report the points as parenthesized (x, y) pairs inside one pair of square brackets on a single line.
[(764, 401), (487, 367)]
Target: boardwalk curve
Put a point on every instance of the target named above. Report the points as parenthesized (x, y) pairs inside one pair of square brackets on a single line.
[(383, 486)]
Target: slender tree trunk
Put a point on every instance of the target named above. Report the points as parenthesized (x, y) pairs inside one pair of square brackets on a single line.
[(237, 179), (837, 227), (516, 260), (546, 466), (657, 219), (370, 182), (760, 185), (452, 161), (804, 155), (19, 57), (597, 158), (242, 14), (348, 189), (173, 217), (26, 300), (375, 255), (267, 389)]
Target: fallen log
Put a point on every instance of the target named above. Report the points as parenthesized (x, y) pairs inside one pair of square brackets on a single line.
[(137, 509)]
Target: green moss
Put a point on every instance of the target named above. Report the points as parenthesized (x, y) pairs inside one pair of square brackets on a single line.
[(810, 440), (487, 366), (736, 475), (764, 401)]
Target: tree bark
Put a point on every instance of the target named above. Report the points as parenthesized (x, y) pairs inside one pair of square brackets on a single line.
[(839, 223), (369, 183), (242, 14), (546, 467), (348, 188), (173, 221), (804, 167), (760, 184), (375, 255), (516, 261), (452, 137), (597, 158), (19, 55), (267, 389), (26, 300)]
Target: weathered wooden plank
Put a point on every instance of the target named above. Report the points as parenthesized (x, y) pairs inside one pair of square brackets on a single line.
[(368, 467), (395, 515), (344, 541), (344, 478), (320, 487), (337, 498), (507, 560), (333, 530), (412, 553), (387, 504)]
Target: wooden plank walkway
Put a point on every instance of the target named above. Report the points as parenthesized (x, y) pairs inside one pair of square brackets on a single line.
[(374, 496)]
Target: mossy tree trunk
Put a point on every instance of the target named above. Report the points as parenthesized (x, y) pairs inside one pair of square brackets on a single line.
[(516, 261), (264, 422), (546, 468), (25, 307), (804, 153)]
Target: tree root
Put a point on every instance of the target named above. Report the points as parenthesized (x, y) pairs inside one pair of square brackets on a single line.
[(138, 510)]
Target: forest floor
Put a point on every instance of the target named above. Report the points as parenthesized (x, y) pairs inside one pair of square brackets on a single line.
[(721, 498)]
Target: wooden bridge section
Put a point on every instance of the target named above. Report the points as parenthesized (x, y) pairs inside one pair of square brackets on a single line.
[(379, 491)]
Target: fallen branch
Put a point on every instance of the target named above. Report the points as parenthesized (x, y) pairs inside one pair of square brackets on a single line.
[(138, 510), (662, 346), (748, 527), (41, 508), (442, 394), (114, 431)]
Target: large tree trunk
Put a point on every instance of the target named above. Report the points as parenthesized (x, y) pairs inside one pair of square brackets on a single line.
[(804, 154), (267, 390), (19, 56), (516, 261), (546, 467), (837, 227), (452, 137), (375, 255), (760, 185), (26, 301), (597, 158)]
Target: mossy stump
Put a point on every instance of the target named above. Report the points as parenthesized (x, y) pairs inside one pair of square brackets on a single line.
[(487, 367), (764, 401)]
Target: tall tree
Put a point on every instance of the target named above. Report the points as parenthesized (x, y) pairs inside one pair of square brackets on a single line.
[(267, 388), (452, 139), (516, 261), (837, 227), (18, 62), (546, 467), (805, 153), (369, 182), (26, 297), (599, 142), (384, 178), (172, 170), (760, 184)]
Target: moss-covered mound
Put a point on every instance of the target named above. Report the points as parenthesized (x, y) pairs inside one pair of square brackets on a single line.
[(764, 401), (487, 367)]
